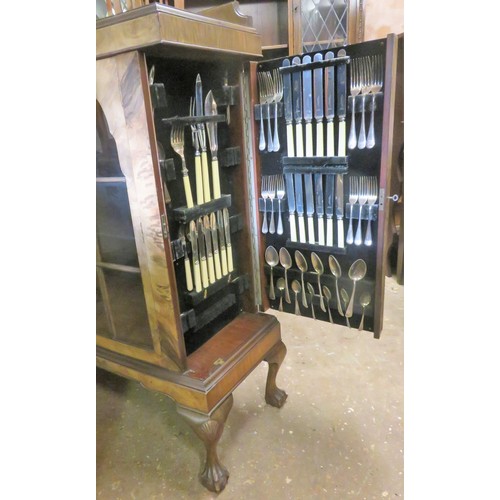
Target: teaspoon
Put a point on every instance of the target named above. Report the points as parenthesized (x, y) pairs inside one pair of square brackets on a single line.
[(328, 296), (281, 286), (310, 289), (345, 299), (302, 265), (286, 262), (364, 300), (318, 267), (296, 290), (356, 272), (335, 269), (271, 256)]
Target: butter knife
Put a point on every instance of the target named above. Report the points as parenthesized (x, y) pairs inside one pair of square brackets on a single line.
[(211, 109), (193, 238), (287, 103), (329, 197), (318, 105), (222, 242), (339, 178), (208, 241), (215, 243), (203, 253), (330, 105), (229, 249), (297, 107)]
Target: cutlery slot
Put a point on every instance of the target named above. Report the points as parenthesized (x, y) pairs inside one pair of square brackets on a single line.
[(258, 111), (272, 205), (370, 103), (192, 120), (297, 245), (342, 162), (229, 157), (235, 285), (367, 213), (314, 64), (311, 169), (184, 214)]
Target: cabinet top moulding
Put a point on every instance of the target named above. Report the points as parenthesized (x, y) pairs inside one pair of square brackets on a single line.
[(156, 28)]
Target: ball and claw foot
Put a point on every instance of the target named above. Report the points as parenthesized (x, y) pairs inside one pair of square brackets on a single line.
[(274, 395)]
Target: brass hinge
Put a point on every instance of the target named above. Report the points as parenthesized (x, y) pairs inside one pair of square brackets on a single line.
[(164, 228)]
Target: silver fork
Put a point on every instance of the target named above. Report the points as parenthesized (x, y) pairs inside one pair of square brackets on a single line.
[(378, 82), (372, 198), (362, 199), (365, 89), (197, 157), (177, 141), (280, 193), (262, 139), (264, 190), (355, 90), (353, 198), (272, 194), (278, 96), (269, 96)]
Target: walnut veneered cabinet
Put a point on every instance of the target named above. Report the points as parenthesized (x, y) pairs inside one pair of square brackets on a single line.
[(182, 269)]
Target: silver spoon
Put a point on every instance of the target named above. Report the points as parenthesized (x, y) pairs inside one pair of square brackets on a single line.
[(286, 262), (318, 267), (364, 300), (335, 269), (328, 295), (271, 256), (310, 289), (345, 299), (296, 290), (356, 272), (301, 262), (281, 286)]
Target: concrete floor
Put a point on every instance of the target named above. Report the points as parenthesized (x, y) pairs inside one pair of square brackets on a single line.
[(338, 436)]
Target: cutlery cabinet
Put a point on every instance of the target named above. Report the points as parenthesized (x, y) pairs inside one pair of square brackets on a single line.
[(182, 280)]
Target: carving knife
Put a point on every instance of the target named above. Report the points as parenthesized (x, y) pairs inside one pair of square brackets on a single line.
[(290, 194), (210, 256), (329, 195), (187, 264), (308, 113), (215, 243), (287, 103), (203, 253), (222, 242), (330, 105), (318, 105), (341, 113), (297, 107), (198, 99), (193, 238), (229, 249), (211, 109)]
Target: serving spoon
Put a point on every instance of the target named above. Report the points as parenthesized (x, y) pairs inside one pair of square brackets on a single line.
[(364, 300), (357, 272), (318, 267), (335, 269), (328, 295), (296, 290), (286, 262), (301, 262), (310, 289), (271, 256), (281, 286)]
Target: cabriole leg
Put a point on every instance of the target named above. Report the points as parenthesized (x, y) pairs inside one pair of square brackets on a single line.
[(274, 395)]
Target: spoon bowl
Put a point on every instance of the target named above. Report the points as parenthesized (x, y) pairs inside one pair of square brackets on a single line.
[(301, 262), (280, 284), (318, 267), (310, 289), (286, 262), (364, 301), (296, 290), (272, 259), (336, 270), (357, 272), (328, 296)]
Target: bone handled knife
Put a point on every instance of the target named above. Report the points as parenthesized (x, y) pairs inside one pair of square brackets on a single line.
[(215, 243), (187, 263), (290, 194), (197, 164), (330, 105), (229, 248), (193, 238), (203, 253), (329, 196), (208, 241), (211, 109), (320, 210), (299, 202), (222, 242), (297, 107), (341, 113), (318, 105), (287, 103), (198, 100)]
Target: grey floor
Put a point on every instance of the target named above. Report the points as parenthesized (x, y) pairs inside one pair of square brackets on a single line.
[(338, 436)]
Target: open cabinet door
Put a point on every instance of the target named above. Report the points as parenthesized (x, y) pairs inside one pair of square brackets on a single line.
[(322, 155)]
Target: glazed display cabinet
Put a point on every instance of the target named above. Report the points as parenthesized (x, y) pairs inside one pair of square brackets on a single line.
[(228, 185)]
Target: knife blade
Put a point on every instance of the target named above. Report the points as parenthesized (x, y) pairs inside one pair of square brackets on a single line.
[(318, 105), (329, 195), (203, 253), (187, 264), (297, 107), (222, 242), (320, 209), (193, 238), (215, 243), (290, 194), (330, 105), (307, 100), (229, 248), (210, 256), (287, 103), (308, 184), (341, 112), (211, 109), (299, 200), (198, 100)]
